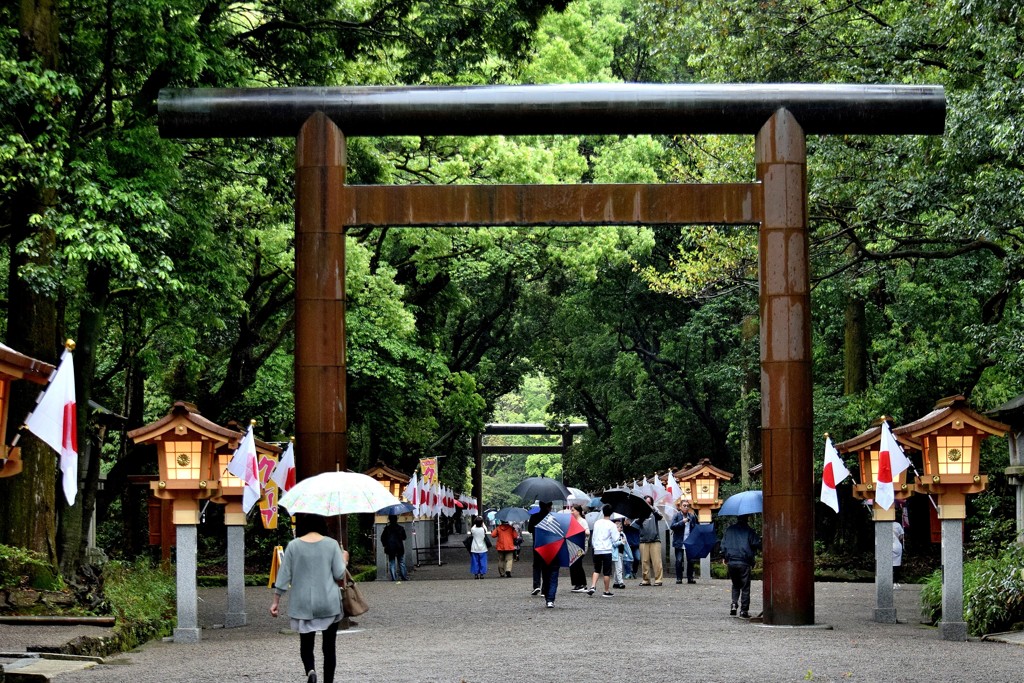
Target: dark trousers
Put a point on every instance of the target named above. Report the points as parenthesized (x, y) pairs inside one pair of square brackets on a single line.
[(545, 577), (306, 641), (636, 560), (740, 576), (680, 555), (577, 576)]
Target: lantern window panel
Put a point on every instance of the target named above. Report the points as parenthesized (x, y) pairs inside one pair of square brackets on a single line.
[(705, 489), (227, 480), (184, 459), (955, 454)]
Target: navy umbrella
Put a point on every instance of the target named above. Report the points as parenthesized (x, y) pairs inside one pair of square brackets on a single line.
[(512, 515), (700, 542), (399, 509)]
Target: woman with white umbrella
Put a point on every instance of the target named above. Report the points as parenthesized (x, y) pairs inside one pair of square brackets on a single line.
[(313, 565)]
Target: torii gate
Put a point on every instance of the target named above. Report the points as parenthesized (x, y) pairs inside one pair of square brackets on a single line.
[(779, 116)]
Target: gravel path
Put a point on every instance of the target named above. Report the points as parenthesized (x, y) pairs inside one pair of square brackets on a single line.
[(443, 626)]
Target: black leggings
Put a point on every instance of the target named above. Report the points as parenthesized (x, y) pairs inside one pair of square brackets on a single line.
[(330, 655)]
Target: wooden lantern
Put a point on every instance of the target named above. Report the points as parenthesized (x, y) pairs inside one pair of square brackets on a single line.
[(14, 366), (703, 481), (951, 437), (185, 442), (866, 447), (391, 479)]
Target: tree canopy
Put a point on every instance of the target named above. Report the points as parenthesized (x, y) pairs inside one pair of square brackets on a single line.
[(171, 262)]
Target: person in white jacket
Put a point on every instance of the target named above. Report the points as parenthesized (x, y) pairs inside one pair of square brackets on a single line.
[(603, 537)]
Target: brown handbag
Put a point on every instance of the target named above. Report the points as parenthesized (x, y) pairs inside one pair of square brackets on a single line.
[(352, 602)]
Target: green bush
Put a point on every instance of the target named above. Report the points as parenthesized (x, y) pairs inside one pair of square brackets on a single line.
[(993, 593), (142, 600), (20, 568)]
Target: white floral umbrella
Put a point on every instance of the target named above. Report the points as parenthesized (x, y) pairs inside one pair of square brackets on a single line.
[(337, 493)]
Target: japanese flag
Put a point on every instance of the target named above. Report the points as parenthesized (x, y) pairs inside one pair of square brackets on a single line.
[(244, 464), (412, 494), (833, 473), (54, 422), (284, 471), (891, 463)]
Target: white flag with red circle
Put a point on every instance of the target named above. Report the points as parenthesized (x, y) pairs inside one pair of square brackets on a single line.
[(832, 474), (55, 422), (891, 463)]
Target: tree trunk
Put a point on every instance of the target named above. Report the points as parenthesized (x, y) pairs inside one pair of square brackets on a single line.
[(75, 520), (27, 501), (855, 347)]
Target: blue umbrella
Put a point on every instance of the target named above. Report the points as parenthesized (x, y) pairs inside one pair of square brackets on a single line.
[(512, 515), (596, 502), (700, 542), (742, 503), (399, 509)]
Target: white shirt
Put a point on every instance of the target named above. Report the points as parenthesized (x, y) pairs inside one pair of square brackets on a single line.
[(604, 536)]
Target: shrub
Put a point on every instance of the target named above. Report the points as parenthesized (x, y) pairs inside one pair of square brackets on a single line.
[(993, 593), (142, 599), (21, 568)]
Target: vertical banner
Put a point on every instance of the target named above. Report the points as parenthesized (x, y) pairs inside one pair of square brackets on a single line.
[(428, 467), (268, 501)]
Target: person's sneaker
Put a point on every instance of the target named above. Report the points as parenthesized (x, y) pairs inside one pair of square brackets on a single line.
[(644, 584), (744, 615), (535, 591), (679, 580), (732, 610), (656, 583), (691, 581), (550, 604), (311, 677), (579, 589), (607, 594), (508, 575), (590, 591)]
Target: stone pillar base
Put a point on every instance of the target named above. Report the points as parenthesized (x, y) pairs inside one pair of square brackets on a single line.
[(885, 615), (953, 630), (234, 619), (187, 635), (705, 567)]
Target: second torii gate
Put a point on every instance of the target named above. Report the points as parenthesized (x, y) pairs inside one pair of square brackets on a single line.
[(779, 116)]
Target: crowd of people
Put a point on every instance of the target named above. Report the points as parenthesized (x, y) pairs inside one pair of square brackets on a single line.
[(619, 549)]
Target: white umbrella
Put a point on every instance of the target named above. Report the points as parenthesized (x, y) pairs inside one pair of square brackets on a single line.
[(577, 497), (337, 493)]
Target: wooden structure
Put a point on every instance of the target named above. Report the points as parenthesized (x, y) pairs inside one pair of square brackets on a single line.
[(779, 116), (703, 481), (15, 366)]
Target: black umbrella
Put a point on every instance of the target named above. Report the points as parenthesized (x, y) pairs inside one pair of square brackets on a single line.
[(626, 503), (541, 488)]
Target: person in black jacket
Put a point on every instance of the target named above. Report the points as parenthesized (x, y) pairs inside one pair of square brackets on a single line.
[(393, 540), (545, 576), (739, 548), (682, 524)]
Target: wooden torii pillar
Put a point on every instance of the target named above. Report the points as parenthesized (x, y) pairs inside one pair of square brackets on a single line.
[(779, 116)]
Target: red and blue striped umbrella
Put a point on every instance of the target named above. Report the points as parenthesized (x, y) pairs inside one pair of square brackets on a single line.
[(559, 537)]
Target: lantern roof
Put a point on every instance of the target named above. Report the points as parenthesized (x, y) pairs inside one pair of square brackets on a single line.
[(386, 472), (873, 437), (704, 468), (1012, 411), (949, 411), (183, 413), (20, 366)]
